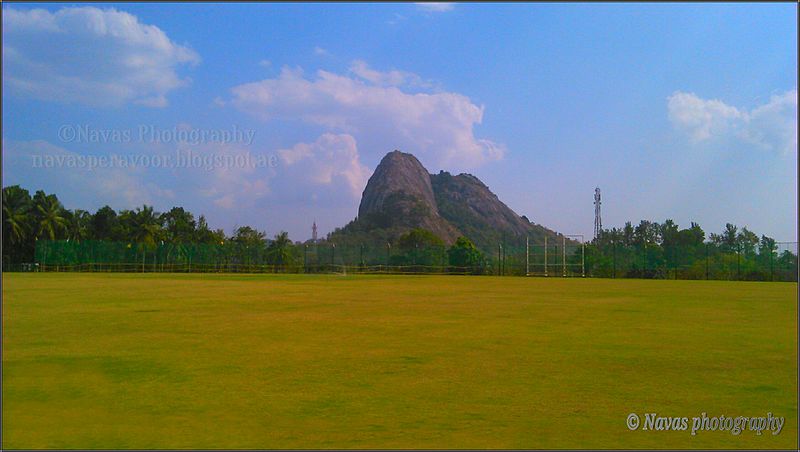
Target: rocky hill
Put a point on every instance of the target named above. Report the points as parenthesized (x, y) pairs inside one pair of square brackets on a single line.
[(399, 194), (402, 195)]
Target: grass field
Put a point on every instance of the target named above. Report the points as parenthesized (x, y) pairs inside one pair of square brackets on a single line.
[(262, 361)]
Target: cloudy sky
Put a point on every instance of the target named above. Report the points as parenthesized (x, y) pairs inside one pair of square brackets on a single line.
[(273, 115)]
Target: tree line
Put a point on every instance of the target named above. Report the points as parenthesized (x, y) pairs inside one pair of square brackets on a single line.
[(144, 235), (653, 250)]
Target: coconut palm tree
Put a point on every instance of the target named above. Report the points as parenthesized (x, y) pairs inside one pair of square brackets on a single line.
[(147, 229), (78, 224), (17, 226), (49, 214), (16, 214), (147, 226), (279, 250)]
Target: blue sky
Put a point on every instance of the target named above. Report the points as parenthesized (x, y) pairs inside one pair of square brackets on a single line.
[(676, 111)]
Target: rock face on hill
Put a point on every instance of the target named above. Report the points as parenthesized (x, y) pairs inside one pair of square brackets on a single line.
[(468, 204), (399, 195), (402, 195)]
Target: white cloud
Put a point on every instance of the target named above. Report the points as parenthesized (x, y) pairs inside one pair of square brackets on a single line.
[(319, 51), (104, 57), (772, 126), (701, 118), (330, 165), (324, 177), (396, 19), (437, 127), (388, 78), (58, 170), (436, 7)]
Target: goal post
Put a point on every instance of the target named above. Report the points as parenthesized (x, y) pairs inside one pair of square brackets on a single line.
[(564, 256)]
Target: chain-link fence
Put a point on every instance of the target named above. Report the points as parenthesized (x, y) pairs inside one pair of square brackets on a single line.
[(564, 256)]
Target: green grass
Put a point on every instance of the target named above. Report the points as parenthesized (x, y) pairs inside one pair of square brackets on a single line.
[(194, 361)]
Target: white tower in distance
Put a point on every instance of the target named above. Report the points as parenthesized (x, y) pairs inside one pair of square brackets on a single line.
[(314, 232)]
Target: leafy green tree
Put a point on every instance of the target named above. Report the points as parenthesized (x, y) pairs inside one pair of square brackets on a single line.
[(248, 236), (646, 233), (125, 227), (464, 254), (103, 224), (280, 251), (747, 241), (420, 247), (204, 234), (727, 241), (627, 234), (179, 225), (767, 247), (250, 245), (692, 237), (669, 233)]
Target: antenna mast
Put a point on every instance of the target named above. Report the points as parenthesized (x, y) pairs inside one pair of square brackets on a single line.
[(598, 222)]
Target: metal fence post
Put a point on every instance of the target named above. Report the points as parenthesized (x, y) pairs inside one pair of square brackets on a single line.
[(771, 272), (614, 261), (545, 255), (738, 262), (583, 260), (499, 257), (504, 259), (675, 261), (527, 257), (644, 259)]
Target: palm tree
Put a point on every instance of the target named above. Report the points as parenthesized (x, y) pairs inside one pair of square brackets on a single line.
[(49, 214), (147, 229), (16, 214), (147, 226), (279, 250), (78, 224), (17, 226)]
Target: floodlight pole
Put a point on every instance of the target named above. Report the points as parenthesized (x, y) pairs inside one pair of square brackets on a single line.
[(564, 255)]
